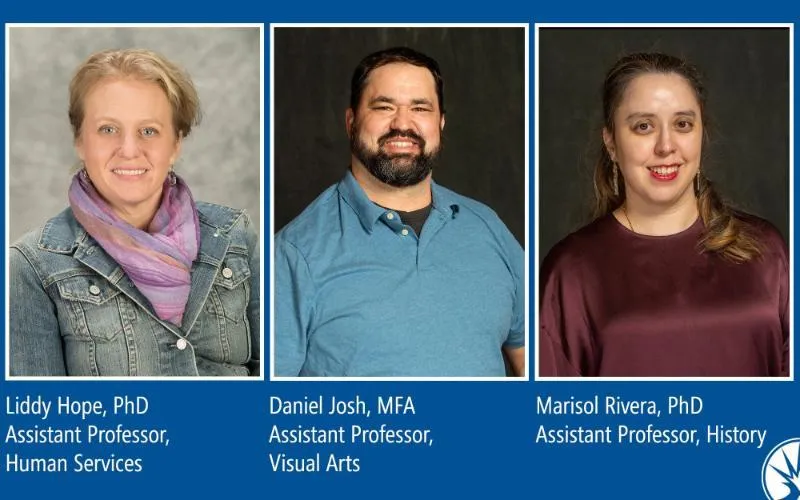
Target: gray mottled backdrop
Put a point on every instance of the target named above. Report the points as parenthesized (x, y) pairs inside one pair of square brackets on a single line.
[(220, 159)]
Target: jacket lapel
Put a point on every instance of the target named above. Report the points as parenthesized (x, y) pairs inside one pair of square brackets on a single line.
[(92, 255), (213, 246)]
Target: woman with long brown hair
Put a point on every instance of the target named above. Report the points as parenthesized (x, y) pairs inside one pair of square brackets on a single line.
[(668, 280)]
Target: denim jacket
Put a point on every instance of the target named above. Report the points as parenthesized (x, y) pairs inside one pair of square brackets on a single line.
[(74, 311)]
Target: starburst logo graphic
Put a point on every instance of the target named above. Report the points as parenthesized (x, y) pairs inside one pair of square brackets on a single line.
[(780, 475)]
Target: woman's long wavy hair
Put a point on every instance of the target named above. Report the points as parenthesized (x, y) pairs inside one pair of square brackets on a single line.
[(725, 233)]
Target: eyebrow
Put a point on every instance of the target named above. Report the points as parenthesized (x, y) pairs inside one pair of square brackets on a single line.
[(390, 100), (141, 122), (634, 116)]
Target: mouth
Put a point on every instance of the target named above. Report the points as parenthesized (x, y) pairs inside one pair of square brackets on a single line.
[(400, 146), (400, 143), (664, 172), (405, 142), (129, 173)]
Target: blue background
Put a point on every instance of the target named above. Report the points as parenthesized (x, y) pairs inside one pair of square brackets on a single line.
[(483, 431)]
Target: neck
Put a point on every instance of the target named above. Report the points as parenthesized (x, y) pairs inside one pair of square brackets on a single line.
[(140, 216), (405, 199), (646, 219)]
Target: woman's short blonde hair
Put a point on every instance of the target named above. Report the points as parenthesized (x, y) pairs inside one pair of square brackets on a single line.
[(139, 64)]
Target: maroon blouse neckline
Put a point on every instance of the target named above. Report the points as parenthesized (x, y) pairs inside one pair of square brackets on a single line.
[(693, 230)]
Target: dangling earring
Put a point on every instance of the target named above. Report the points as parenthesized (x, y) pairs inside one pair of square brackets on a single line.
[(615, 179), (84, 174), (173, 179), (697, 183)]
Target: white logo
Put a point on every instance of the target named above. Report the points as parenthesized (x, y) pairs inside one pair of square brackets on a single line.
[(780, 475)]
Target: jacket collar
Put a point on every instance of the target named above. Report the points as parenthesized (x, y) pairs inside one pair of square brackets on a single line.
[(64, 235)]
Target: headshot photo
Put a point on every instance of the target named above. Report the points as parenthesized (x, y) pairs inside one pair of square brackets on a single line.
[(135, 172), (664, 210), (400, 213)]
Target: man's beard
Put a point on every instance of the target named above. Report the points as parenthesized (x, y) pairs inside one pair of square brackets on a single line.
[(398, 170)]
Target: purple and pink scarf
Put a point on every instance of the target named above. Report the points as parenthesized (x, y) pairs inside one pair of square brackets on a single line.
[(159, 260)]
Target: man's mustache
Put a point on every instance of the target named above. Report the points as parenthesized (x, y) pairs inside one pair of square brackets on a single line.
[(401, 134)]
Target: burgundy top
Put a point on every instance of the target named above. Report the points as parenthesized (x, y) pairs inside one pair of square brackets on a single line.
[(617, 303)]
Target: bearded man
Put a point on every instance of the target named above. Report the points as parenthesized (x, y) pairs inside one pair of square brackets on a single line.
[(388, 274)]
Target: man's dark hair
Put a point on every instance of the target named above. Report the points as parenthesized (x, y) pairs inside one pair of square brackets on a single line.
[(389, 56)]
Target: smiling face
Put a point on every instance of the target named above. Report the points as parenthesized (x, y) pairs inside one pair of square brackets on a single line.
[(128, 144), (396, 131), (657, 140)]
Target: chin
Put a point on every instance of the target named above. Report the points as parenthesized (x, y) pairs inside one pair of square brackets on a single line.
[(665, 200), (403, 161), (133, 197)]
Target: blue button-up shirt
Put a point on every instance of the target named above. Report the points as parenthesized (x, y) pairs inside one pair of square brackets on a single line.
[(357, 293)]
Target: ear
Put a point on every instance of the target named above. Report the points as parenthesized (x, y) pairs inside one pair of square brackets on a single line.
[(349, 116), (177, 153), (78, 145), (608, 140)]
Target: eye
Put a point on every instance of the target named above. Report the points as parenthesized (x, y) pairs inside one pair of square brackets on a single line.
[(382, 108), (421, 109), (684, 125), (149, 132), (642, 127), (107, 129)]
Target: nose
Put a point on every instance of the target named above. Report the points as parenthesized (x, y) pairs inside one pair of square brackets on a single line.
[(129, 146), (402, 119), (664, 146)]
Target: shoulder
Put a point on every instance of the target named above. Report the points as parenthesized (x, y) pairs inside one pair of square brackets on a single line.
[(60, 234), (766, 233), (469, 205), (464, 206), (762, 228), (581, 248), (48, 249), (314, 222), (584, 239), (478, 222), (220, 217), (24, 251), (233, 222), (29, 241)]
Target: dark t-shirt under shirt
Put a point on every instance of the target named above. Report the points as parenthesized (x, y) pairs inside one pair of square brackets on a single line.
[(416, 218)]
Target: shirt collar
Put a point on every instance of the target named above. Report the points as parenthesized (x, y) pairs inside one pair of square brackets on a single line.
[(444, 201), (369, 213)]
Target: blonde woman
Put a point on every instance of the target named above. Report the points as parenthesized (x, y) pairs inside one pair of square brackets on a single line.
[(135, 278)]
